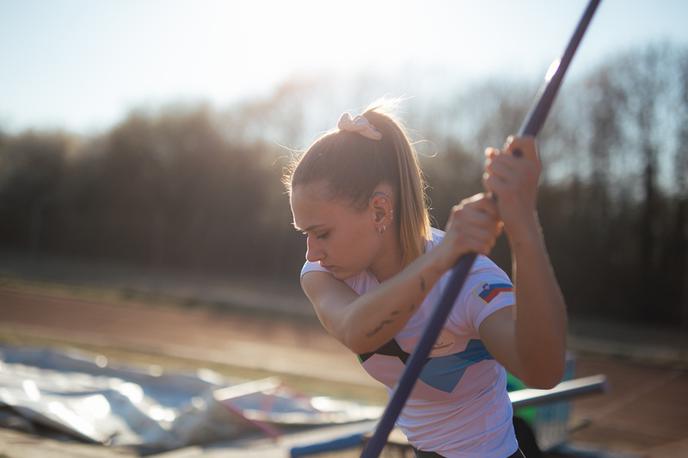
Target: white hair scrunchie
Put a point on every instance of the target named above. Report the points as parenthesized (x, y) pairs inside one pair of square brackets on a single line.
[(360, 125)]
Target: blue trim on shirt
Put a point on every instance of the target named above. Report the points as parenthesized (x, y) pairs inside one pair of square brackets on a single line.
[(445, 372)]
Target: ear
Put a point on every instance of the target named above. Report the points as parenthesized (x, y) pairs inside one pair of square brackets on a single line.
[(381, 205), (379, 214)]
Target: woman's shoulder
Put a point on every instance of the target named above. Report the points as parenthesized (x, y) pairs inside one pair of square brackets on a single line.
[(484, 263), (436, 236), (309, 266), (361, 282)]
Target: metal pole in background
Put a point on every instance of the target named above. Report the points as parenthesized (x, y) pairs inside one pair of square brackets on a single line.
[(530, 127)]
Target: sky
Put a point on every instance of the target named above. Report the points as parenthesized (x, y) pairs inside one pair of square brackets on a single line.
[(81, 65)]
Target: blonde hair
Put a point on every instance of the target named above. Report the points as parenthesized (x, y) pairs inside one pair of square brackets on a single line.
[(352, 166)]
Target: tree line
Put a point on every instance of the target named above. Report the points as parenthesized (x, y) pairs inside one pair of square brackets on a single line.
[(196, 188)]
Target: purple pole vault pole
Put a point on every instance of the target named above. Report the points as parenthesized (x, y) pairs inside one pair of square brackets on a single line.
[(530, 127)]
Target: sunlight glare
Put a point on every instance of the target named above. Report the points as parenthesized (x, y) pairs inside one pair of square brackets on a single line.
[(272, 37), (552, 69)]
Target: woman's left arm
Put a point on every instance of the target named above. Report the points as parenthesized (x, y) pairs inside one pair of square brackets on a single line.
[(529, 341)]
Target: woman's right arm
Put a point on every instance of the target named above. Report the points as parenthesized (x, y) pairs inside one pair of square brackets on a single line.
[(365, 323)]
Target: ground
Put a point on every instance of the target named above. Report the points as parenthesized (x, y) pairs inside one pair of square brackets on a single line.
[(645, 413)]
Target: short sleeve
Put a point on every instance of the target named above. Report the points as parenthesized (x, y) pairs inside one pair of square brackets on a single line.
[(487, 289), (312, 267)]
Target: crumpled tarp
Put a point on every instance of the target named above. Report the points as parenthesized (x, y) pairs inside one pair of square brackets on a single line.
[(85, 396)]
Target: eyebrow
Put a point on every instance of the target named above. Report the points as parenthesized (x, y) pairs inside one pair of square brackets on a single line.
[(308, 229)]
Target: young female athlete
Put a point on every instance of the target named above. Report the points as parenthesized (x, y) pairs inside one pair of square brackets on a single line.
[(375, 268)]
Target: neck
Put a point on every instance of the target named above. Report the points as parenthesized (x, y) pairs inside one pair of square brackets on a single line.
[(389, 262)]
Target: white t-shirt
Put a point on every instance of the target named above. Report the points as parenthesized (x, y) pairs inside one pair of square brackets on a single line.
[(459, 407)]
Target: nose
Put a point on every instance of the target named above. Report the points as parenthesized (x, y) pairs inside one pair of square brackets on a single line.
[(314, 252)]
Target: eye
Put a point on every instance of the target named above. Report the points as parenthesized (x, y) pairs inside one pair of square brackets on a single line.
[(323, 236)]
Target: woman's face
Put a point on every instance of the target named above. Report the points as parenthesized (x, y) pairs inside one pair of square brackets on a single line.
[(342, 238)]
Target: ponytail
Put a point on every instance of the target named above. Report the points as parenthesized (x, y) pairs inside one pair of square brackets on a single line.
[(352, 166), (413, 220)]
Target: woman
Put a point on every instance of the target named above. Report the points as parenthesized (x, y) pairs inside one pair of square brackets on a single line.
[(375, 268)]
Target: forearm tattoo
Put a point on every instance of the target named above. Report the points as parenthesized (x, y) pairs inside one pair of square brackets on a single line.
[(395, 313), (379, 327), (390, 320)]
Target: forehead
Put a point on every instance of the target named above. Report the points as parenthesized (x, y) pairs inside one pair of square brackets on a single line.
[(311, 206)]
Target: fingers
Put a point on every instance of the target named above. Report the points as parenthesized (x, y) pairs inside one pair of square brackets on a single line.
[(505, 172), (482, 203), (474, 224), (526, 146), (499, 177)]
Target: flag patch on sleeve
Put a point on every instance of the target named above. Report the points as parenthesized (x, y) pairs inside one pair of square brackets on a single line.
[(491, 290)]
